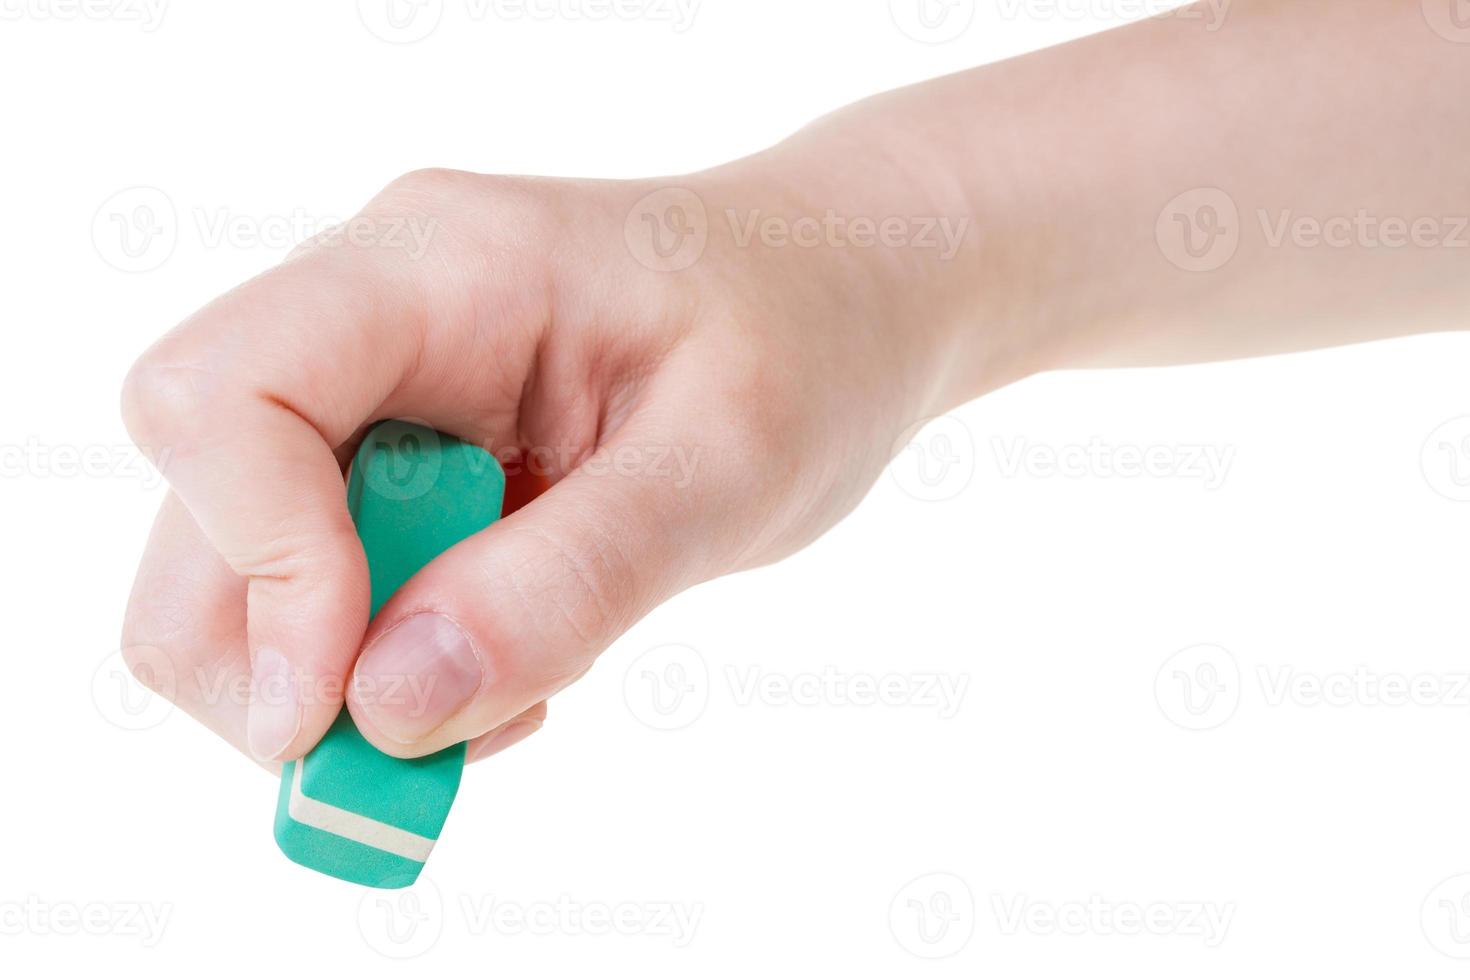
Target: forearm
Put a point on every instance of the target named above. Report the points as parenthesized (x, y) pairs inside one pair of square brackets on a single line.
[(1338, 133)]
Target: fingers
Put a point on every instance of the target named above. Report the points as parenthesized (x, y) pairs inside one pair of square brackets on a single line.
[(497, 740), (506, 618), (242, 407), (260, 478), (187, 614)]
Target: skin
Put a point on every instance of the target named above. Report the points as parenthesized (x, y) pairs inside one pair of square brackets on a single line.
[(533, 325)]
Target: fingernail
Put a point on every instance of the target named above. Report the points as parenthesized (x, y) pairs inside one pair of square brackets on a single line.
[(505, 738), (416, 676), (274, 718)]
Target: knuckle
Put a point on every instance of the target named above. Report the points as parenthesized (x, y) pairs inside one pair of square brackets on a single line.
[(765, 428), (481, 211), (583, 582), (167, 403), (433, 182), (152, 667)]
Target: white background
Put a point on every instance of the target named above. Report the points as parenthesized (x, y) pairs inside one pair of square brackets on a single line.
[(805, 836)]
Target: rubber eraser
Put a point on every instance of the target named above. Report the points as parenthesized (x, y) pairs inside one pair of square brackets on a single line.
[(346, 809)]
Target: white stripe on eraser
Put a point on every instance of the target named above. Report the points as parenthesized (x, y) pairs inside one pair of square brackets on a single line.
[(354, 826)]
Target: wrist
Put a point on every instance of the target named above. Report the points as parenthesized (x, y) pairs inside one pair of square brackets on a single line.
[(885, 265), (936, 254)]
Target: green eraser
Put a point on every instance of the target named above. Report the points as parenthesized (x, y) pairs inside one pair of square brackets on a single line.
[(346, 809)]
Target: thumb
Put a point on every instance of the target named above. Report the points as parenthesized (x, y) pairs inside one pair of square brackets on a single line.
[(513, 614)]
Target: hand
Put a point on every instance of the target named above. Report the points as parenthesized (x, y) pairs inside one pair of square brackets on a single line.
[(690, 423)]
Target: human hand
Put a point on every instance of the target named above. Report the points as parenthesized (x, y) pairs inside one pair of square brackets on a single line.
[(691, 421)]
